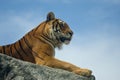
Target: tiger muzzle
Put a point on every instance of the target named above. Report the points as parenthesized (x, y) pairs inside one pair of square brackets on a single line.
[(71, 33), (63, 39), (68, 37)]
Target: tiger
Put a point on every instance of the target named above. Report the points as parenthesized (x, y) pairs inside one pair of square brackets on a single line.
[(38, 45)]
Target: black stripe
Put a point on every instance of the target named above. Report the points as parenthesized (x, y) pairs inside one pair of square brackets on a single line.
[(26, 42), (22, 48), (43, 36), (55, 26), (29, 35), (46, 53), (58, 25), (4, 49), (54, 23), (18, 53), (11, 50), (8, 46)]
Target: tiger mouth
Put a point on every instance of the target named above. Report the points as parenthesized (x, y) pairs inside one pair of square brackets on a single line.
[(63, 39)]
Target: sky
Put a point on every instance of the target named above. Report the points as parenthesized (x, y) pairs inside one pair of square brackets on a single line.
[(95, 23)]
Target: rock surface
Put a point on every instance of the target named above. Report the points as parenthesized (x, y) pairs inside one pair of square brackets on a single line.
[(13, 69)]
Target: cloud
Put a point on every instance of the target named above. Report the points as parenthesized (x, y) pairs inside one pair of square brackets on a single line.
[(15, 26)]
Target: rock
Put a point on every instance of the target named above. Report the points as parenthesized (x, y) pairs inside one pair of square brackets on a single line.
[(14, 69)]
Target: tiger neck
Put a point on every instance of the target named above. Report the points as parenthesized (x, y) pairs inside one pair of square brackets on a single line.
[(43, 41), (48, 40)]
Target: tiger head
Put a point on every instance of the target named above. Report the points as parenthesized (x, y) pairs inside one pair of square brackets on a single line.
[(57, 31)]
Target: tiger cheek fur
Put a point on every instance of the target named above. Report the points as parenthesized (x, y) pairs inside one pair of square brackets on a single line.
[(38, 46)]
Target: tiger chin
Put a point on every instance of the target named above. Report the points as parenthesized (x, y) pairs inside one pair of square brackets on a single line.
[(38, 45)]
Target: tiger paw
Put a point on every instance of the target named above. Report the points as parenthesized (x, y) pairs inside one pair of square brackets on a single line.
[(83, 72)]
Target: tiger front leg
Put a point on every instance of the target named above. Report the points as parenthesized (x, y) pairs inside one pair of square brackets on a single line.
[(55, 63)]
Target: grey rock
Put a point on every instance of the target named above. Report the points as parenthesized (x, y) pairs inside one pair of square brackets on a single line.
[(14, 69)]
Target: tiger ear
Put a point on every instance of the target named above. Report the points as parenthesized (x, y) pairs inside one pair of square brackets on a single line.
[(50, 16)]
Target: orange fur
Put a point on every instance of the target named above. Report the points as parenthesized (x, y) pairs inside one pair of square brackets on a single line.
[(38, 46)]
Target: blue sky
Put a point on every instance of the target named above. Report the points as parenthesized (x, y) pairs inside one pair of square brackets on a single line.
[(96, 26)]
